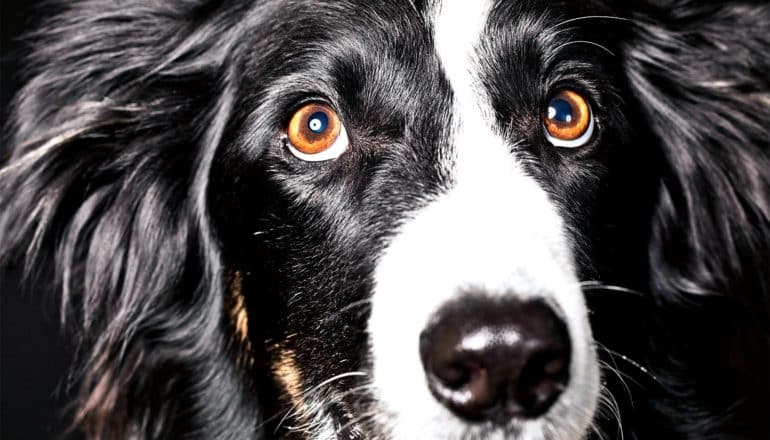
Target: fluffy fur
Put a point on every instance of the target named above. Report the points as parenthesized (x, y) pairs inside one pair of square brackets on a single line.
[(219, 288)]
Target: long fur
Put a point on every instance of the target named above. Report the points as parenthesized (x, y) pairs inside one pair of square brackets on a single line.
[(111, 179), (128, 103), (703, 87)]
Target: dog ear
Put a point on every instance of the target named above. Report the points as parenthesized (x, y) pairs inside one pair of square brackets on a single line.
[(113, 137), (701, 72)]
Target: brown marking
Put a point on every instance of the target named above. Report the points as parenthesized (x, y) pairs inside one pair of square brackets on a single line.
[(289, 377), (239, 319)]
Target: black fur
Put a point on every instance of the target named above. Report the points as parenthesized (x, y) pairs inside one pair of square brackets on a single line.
[(146, 156)]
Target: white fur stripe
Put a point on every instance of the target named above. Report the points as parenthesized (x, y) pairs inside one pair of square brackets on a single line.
[(495, 229)]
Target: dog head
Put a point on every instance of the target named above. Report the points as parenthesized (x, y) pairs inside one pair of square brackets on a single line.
[(378, 219)]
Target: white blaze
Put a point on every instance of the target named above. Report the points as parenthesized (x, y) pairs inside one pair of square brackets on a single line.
[(495, 230)]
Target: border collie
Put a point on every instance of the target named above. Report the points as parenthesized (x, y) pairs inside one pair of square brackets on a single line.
[(402, 219)]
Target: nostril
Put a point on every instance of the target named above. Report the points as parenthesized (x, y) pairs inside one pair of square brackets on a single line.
[(542, 380), (493, 360), (464, 386), (458, 375)]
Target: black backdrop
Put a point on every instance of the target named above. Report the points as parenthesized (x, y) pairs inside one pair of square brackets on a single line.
[(33, 356)]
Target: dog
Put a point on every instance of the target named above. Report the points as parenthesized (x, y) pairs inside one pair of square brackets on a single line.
[(406, 219)]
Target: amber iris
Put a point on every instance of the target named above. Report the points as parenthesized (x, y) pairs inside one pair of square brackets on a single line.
[(568, 116), (313, 128)]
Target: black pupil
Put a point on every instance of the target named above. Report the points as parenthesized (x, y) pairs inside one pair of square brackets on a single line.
[(560, 110), (318, 122)]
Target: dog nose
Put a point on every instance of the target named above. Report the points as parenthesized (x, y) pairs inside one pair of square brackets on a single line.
[(495, 359)]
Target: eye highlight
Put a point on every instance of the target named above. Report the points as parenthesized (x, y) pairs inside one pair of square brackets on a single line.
[(315, 133), (568, 121)]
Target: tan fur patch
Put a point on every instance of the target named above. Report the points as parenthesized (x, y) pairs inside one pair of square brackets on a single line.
[(239, 319), (289, 376)]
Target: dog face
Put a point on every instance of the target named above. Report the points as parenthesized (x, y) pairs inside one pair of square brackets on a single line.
[(364, 219), (448, 190)]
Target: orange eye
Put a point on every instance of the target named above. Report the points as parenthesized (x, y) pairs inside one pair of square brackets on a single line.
[(315, 133), (568, 121)]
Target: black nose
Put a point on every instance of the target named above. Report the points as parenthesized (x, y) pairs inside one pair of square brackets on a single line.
[(494, 359)]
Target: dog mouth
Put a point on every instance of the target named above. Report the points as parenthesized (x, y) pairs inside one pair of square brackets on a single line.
[(341, 421)]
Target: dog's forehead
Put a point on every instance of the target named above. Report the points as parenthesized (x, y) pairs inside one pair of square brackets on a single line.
[(492, 44), (458, 26), (457, 30)]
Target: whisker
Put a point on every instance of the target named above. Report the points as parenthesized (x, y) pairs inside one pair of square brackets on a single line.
[(598, 285), (336, 378), (270, 230), (355, 390), (359, 419), (613, 354), (313, 390), (591, 43), (273, 417), (591, 17), (621, 377), (607, 400), (348, 307), (596, 430), (615, 369)]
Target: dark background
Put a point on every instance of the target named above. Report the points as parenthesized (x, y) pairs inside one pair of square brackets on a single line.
[(33, 355)]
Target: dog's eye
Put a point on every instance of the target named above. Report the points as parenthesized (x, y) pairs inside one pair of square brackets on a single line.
[(315, 133), (568, 121)]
